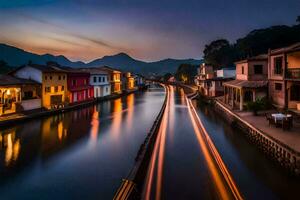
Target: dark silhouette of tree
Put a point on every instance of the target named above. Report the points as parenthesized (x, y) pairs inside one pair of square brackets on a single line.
[(298, 19), (4, 68), (167, 76), (186, 73), (219, 53)]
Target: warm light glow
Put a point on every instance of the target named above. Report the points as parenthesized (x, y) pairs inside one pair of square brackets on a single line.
[(95, 126), (12, 149)]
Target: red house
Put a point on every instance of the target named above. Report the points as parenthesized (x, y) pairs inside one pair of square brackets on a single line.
[(79, 88)]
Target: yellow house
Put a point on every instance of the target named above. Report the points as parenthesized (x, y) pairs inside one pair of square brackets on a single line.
[(127, 81), (53, 79), (54, 89), (115, 79)]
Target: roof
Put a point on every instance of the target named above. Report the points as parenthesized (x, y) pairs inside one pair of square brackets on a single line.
[(246, 84), (109, 69), (288, 49), (6, 80), (261, 57), (94, 70), (44, 68)]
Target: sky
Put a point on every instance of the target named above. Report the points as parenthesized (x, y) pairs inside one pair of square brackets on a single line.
[(148, 30)]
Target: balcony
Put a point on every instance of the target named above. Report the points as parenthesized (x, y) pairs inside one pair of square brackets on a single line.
[(293, 73)]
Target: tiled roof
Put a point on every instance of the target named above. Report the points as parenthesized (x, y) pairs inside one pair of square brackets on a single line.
[(94, 70), (6, 80), (293, 47), (246, 84), (255, 58), (110, 69)]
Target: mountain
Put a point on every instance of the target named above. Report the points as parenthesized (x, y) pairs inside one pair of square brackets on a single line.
[(15, 57)]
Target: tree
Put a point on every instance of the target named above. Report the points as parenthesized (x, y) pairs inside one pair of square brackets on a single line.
[(167, 76), (219, 53), (186, 73)]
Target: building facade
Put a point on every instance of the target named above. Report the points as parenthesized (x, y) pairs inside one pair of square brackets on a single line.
[(115, 79), (284, 77), (78, 85), (250, 83), (128, 82), (53, 80), (100, 81), (18, 95)]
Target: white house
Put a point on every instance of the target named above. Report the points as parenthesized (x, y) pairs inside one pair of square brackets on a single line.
[(99, 79), (226, 73)]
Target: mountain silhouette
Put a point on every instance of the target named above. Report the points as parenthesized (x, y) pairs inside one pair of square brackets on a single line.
[(14, 56)]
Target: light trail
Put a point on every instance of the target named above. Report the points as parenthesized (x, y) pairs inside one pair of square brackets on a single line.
[(158, 152), (212, 156)]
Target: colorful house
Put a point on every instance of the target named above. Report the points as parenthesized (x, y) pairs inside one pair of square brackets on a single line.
[(18, 95), (139, 80), (78, 86), (284, 77), (115, 79), (99, 80), (128, 82), (250, 83), (53, 80)]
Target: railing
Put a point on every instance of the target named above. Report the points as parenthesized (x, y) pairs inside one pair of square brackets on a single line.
[(293, 73)]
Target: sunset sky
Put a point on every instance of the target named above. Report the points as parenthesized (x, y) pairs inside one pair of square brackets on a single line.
[(148, 30)]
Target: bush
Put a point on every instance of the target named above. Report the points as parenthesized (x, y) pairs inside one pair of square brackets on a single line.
[(258, 105)]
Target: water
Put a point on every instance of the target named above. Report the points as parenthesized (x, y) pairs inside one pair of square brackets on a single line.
[(82, 154), (181, 168)]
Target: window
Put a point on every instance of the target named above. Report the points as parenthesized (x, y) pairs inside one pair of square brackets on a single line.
[(59, 77), (64, 77), (243, 70), (106, 89), (47, 89), (103, 79), (73, 82), (46, 77), (258, 69), (278, 86), (95, 79), (278, 65), (295, 93), (62, 88), (50, 77), (56, 88), (84, 81), (99, 79)]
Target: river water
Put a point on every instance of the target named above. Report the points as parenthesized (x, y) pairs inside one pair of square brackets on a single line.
[(85, 153), (81, 154)]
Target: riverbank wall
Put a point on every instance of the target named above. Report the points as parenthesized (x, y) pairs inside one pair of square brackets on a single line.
[(283, 155), (42, 113)]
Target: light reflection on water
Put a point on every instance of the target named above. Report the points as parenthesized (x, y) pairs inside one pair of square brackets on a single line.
[(80, 153)]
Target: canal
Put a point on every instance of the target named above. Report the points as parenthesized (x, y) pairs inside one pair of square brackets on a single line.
[(85, 153), (182, 168), (81, 154)]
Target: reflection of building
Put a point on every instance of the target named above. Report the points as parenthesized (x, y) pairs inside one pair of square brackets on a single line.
[(99, 79), (115, 79), (53, 80), (127, 81), (250, 84), (79, 88), (284, 77), (10, 145), (18, 94)]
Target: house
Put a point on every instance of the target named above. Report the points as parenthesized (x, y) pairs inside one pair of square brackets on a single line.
[(250, 83), (210, 82), (139, 80), (127, 81), (78, 86), (115, 79), (52, 78), (99, 80), (284, 77), (18, 94)]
